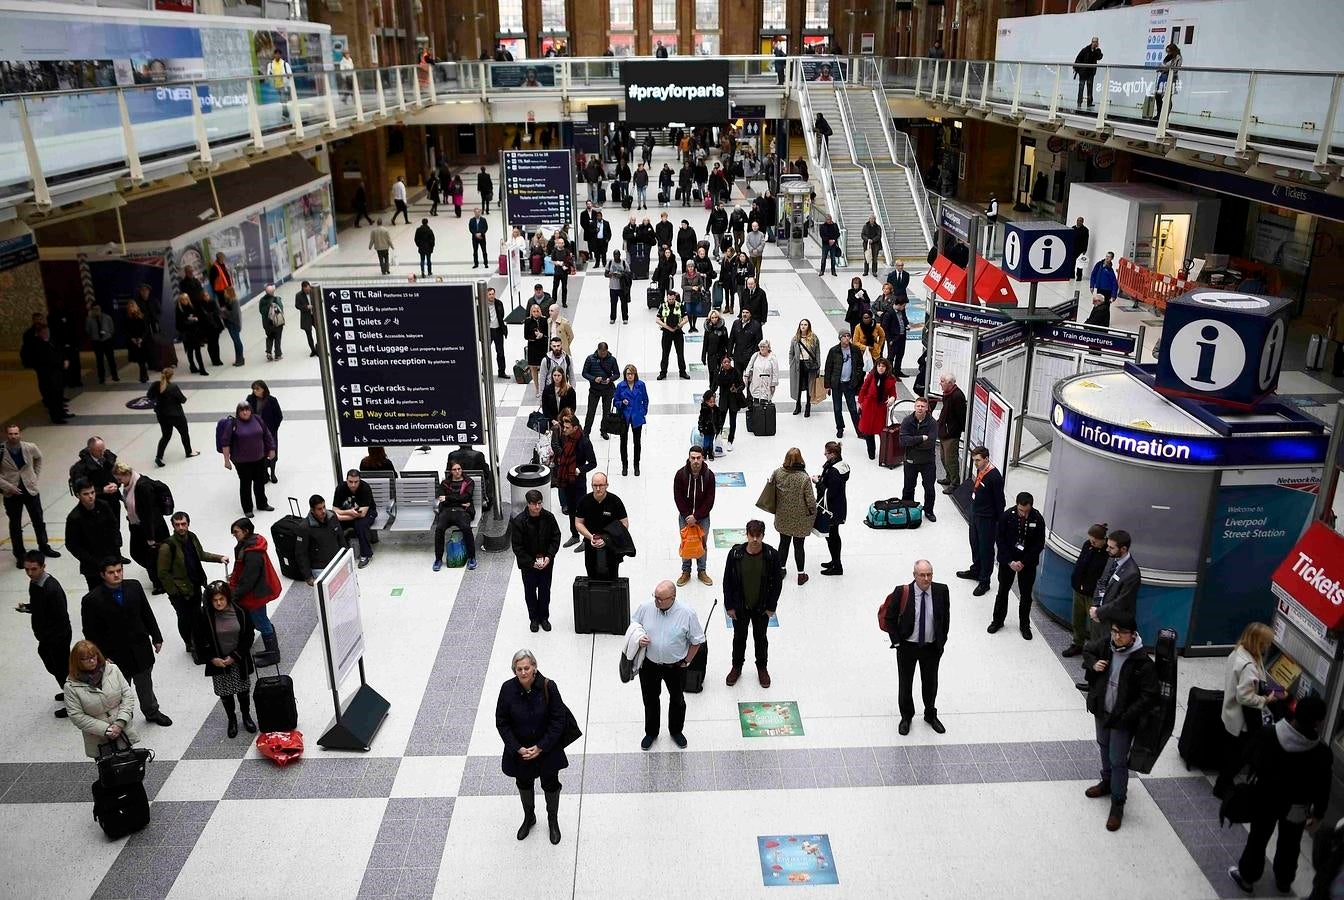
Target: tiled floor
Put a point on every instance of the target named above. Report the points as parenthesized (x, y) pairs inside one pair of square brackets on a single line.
[(992, 808)]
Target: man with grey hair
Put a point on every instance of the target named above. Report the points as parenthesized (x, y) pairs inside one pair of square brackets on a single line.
[(843, 376), (951, 425), (672, 638), (917, 621)]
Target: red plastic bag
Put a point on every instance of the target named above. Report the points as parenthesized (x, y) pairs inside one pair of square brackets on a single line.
[(281, 747)]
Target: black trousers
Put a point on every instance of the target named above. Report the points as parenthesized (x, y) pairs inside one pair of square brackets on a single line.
[(673, 338), (468, 538), (479, 246), (145, 555), (550, 781), (929, 473), (799, 553), (106, 358), (497, 338), (982, 529), (252, 478), (537, 592), (1085, 83), (55, 656), (560, 285), (895, 351), (726, 409), (1026, 580), (401, 211), (166, 427), (652, 677), (15, 504), (833, 543), (599, 401), (926, 656), (621, 297), (759, 622), (1252, 862), (637, 430), (383, 260), (187, 607)]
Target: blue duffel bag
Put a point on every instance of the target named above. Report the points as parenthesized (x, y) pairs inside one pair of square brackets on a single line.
[(894, 513)]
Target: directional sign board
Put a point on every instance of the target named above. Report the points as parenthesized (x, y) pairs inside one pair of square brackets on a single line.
[(1038, 251), (404, 364), (539, 187)]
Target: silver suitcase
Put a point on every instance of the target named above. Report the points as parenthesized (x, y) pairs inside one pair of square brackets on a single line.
[(1316, 353)]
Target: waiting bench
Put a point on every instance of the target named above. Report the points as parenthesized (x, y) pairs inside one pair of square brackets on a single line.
[(410, 499)]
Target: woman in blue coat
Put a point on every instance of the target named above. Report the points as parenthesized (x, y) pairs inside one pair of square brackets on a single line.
[(530, 718), (632, 402), (268, 408), (831, 495)]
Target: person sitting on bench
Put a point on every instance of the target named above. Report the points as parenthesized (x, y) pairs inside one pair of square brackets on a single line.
[(456, 507)]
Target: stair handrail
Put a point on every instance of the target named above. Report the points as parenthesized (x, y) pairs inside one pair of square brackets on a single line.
[(815, 155), (870, 182), (880, 96)]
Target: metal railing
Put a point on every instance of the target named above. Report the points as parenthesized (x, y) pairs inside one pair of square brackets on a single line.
[(820, 164)]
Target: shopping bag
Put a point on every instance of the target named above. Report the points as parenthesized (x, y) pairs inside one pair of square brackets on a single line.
[(768, 500), (692, 542), (280, 747)]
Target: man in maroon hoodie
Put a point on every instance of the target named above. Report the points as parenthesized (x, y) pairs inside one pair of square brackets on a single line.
[(693, 491)]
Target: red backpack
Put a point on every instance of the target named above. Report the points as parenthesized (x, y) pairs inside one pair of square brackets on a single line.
[(886, 606), (273, 588)]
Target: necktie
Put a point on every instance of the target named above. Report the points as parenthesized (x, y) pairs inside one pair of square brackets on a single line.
[(923, 615), (1106, 578)]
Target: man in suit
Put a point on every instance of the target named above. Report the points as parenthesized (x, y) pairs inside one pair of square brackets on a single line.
[(1021, 538), (601, 237), (754, 299), (142, 497), (919, 437), (117, 617), (951, 424), (478, 227), (586, 225), (986, 507), (494, 309), (1117, 592), (896, 324), (20, 471), (917, 620), (485, 186), (92, 532), (899, 279), (844, 376), (51, 620)]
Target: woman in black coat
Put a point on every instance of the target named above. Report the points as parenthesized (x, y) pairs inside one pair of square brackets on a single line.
[(857, 302), (686, 241), (136, 328), (223, 640), (666, 270), (191, 331), (530, 718), (831, 495), (535, 334), (168, 399), (268, 408)]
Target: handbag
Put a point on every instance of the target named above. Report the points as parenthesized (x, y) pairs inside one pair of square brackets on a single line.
[(692, 542), (613, 422), (122, 766), (821, 525), (818, 389), (276, 315), (536, 421), (1239, 805), (769, 499), (571, 732)]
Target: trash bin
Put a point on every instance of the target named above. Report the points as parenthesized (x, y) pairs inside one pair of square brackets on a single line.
[(524, 478)]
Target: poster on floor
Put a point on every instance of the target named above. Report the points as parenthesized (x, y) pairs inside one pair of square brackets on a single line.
[(727, 538), (793, 860), (766, 719), (728, 621)]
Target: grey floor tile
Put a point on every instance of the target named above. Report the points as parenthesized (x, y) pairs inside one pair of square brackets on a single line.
[(1046, 750), (796, 757), (395, 830), (387, 856), (895, 775), (731, 760), (955, 754), (762, 779), (922, 754), (629, 783), (698, 780), (379, 883), (1162, 787), (896, 756), (417, 884), (832, 777), (1018, 750), (858, 756), (796, 778), (931, 773), (470, 787), (436, 807), (697, 761), (401, 808), (983, 753), (426, 851), (826, 757), (479, 765), (962, 773), (631, 764), (864, 776)]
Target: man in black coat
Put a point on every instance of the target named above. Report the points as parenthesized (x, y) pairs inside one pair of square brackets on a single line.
[(918, 615), (320, 539), (919, 437), (843, 374), (986, 507), (1122, 688), (117, 617), (50, 366), (424, 244), (535, 538), (1085, 69), (829, 232), (753, 578), (601, 238), (51, 620), (485, 185), (745, 339), (478, 226), (951, 424), (754, 299), (92, 533), (144, 498), (1020, 538)]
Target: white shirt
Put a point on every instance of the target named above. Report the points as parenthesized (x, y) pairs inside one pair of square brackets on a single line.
[(399, 191), (671, 632), (347, 64)]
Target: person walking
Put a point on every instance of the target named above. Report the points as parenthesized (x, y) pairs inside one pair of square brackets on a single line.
[(618, 287), (728, 382), (1122, 688), (1085, 70), (20, 474), (305, 301), (117, 617), (399, 201), (272, 322), (145, 500), (531, 718), (98, 699), (951, 426), (50, 618), (102, 332), (1103, 280), (255, 583), (572, 459), (832, 504), (434, 188), (534, 536), (631, 400), (986, 508), (804, 364), (178, 562), (267, 408), (919, 437), (753, 578), (380, 242), (794, 508), (601, 371), (843, 376), (1247, 693), (672, 637), (693, 490), (671, 317), (1291, 769), (876, 398), (223, 635), (168, 402), (247, 446), (871, 234), (92, 532), (190, 330), (1020, 538), (424, 245), (918, 620), (1087, 569), (1168, 72), (361, 205)]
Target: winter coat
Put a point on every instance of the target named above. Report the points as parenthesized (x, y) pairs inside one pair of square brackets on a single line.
[(715, 344), (873, 342), (531, 718), (92, 535), (835, 366), (632, 402), (125, 632), (529, 543), (761, 382), (686, 241), (831, 489), (174, 575), (873, 403), (693, 494), (206, 641), (1137, 693), (269, 412), (95, 709), (317, 543), (251, 581), (808, 351), (1087, 568), (772, 576), (167, 404), (1241, 682), (795, 503)]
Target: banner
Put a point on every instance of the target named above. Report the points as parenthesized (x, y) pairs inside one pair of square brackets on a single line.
[(507, 76), (824, 68), (690, 92), (1312, 575), (343, 631)]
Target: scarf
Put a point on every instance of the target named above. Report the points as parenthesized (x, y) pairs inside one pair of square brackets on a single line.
[(867, 330), (1290, 739), (565, 468), (95, 678)]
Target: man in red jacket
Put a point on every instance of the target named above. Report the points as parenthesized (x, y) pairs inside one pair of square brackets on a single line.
[(693, 491)]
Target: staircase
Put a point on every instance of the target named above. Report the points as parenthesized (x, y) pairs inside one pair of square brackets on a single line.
[(870, 138), (822, 100), (852, 194), (904, 239)]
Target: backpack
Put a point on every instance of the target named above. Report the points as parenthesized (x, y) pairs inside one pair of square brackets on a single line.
[(894, 513), (225, 429), (163, 497), (886, 607)]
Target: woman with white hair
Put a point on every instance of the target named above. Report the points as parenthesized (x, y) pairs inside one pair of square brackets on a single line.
[(531, 718)]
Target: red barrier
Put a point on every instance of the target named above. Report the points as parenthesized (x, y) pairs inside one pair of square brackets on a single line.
[(1148, 287)]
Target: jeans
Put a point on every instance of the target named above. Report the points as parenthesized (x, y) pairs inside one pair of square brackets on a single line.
[(640, 193), (1114, 745), (929, 473), (537, 592), (652, 677), (758, 620), (704, 543), (850, 400), (927, 656), (570, 495), (427, 265), (273, 335), (1026, 581), (362, 528), (830, 253), (982, 530), (14, 506), (251, 483), (166, 427), (144, 692), (799, 554), (236, 335), (261, 621), (593, 188)]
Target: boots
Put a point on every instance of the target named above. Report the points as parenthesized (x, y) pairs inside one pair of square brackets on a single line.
[(529, 798), (245, 704), (233, 723), (271, 655), (552, 815)]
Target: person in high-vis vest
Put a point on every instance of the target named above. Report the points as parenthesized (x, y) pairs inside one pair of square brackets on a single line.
[(279, 68)]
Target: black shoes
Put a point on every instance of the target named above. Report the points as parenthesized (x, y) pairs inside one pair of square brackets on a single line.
[(1026, 633), (1072, 650), (928, 514), (980, 590), (936, 725), (50, 553), (267, 508), (573, 539), (533, 627), (904, 727), (545, 624), (160, 719), (233, 727), (969, 574), (249, 724), (994, 627)]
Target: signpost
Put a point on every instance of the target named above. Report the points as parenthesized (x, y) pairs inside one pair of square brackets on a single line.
[(343, 649), (538, 188)]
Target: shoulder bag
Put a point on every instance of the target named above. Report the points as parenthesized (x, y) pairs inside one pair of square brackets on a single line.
[(769, 498), (571, 732)]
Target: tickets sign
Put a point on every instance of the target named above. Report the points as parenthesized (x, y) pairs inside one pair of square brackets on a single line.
[(1312, 574)]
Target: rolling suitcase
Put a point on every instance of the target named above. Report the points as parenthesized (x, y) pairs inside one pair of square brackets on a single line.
[(1315, 353), (654, 296), (890, 453), (639, 266), (1203, 735), (762, 418), (164, 353), (662, 198), (601, 607), (120, 810), (695, 671), (521, 375), (273, 695), (627, 201), (285, 538), (1155, 730), (601, 195), (503, 264)]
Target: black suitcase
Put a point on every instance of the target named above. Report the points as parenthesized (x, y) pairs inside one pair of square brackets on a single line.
[(639, 266), (162, 353), (762, 418), (601, 195), (627, 201), (662, 197), (1153, 732), (273, 696), (120, 810), (1203, 736), (601, 607), (284, 539), (654, 296), (695, 671), (521, 373)]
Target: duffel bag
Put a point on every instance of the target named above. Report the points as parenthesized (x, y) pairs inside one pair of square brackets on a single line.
[(894, 513)]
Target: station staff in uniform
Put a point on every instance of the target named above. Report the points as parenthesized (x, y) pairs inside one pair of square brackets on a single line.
[(672, 637), (986, 507), (1021, 538)]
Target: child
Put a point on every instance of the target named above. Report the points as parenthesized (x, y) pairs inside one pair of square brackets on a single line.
[(706, 423)]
